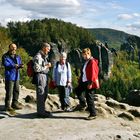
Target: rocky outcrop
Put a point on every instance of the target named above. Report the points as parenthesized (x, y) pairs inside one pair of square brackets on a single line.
[(111, 107), (126, 115), (105, 107)]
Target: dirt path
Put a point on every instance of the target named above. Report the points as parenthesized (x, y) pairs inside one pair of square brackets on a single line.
[(67, 126)]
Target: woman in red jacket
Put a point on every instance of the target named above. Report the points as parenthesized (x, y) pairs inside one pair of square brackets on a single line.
[(88, 83)]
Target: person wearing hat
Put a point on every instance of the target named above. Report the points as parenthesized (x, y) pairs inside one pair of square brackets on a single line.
[(62, 78), (41, 68)]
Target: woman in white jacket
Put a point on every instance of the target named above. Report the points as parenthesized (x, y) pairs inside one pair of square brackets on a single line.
[(62, 78)]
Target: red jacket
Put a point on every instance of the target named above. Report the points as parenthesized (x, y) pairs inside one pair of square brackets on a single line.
[(92, 71)]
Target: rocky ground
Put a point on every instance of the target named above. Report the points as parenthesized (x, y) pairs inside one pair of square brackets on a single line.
[(115, 121)]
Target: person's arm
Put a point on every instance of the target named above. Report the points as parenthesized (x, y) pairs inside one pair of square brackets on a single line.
[(93, 74), (69, 75), (8, 63), (38, 67), (20, 65)]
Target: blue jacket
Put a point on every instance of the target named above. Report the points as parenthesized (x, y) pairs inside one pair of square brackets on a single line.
[(11, 73)]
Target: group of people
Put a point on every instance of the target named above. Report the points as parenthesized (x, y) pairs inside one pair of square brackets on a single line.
[(61, 76)]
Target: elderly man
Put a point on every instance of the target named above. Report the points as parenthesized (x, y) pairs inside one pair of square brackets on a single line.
[(12, 64), (41, 68)]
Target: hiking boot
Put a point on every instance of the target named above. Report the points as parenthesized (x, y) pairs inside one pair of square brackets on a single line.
[(91, 117), (17, 106), (9, 108), (79, 108), (49, 113)]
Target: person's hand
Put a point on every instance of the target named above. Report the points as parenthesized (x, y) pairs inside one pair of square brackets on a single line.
[(48, 65), (89, 86), (21, 65), (16, 66), (68, 83)]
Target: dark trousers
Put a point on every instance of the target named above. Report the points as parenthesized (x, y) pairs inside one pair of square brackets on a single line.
[(63, 96), (12, 89), (89, 94)]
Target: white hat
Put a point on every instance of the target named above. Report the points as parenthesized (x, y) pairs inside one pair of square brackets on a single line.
[(63, 55)]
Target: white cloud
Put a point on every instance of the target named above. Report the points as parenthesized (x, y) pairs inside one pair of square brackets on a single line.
[(45, 3), (85, 13), (125, 16), (53, 8), (128, 16), (134, 26), (136, 14), (22, 19), (11, 13), (115, 5)]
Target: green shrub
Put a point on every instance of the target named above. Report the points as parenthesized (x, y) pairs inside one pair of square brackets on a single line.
[(125, 77)]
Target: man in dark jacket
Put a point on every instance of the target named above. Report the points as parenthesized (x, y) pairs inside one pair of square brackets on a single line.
[(12, 64)]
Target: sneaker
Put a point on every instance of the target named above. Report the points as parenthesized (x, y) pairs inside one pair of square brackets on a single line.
[(17, 106), (91, 117), (79, 108)]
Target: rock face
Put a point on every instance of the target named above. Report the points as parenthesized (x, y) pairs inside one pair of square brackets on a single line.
[(105, 107), (110, 107), (133, 98)]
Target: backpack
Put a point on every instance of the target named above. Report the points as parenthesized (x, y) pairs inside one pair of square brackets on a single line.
[(58, 63), (30, 70)]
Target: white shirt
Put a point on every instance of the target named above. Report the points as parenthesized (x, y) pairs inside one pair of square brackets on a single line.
[(62, 74), (84, 77)]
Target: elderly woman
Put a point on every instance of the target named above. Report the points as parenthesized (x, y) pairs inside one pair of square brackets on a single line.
[(62, 78), (88, 83)]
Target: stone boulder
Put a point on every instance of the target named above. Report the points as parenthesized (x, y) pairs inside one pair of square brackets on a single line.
[(135, 112), (127, 116), (115, 104), (133, 98)]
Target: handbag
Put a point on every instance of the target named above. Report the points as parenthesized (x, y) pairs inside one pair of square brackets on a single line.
[(52, 84)]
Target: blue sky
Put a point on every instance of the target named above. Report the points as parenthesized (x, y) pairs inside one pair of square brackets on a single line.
[(121, 15)]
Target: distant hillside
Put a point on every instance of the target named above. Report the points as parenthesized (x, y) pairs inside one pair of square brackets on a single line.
[(113, 37)]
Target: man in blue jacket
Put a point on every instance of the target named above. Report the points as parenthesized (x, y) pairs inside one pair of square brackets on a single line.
[(12, 64)]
